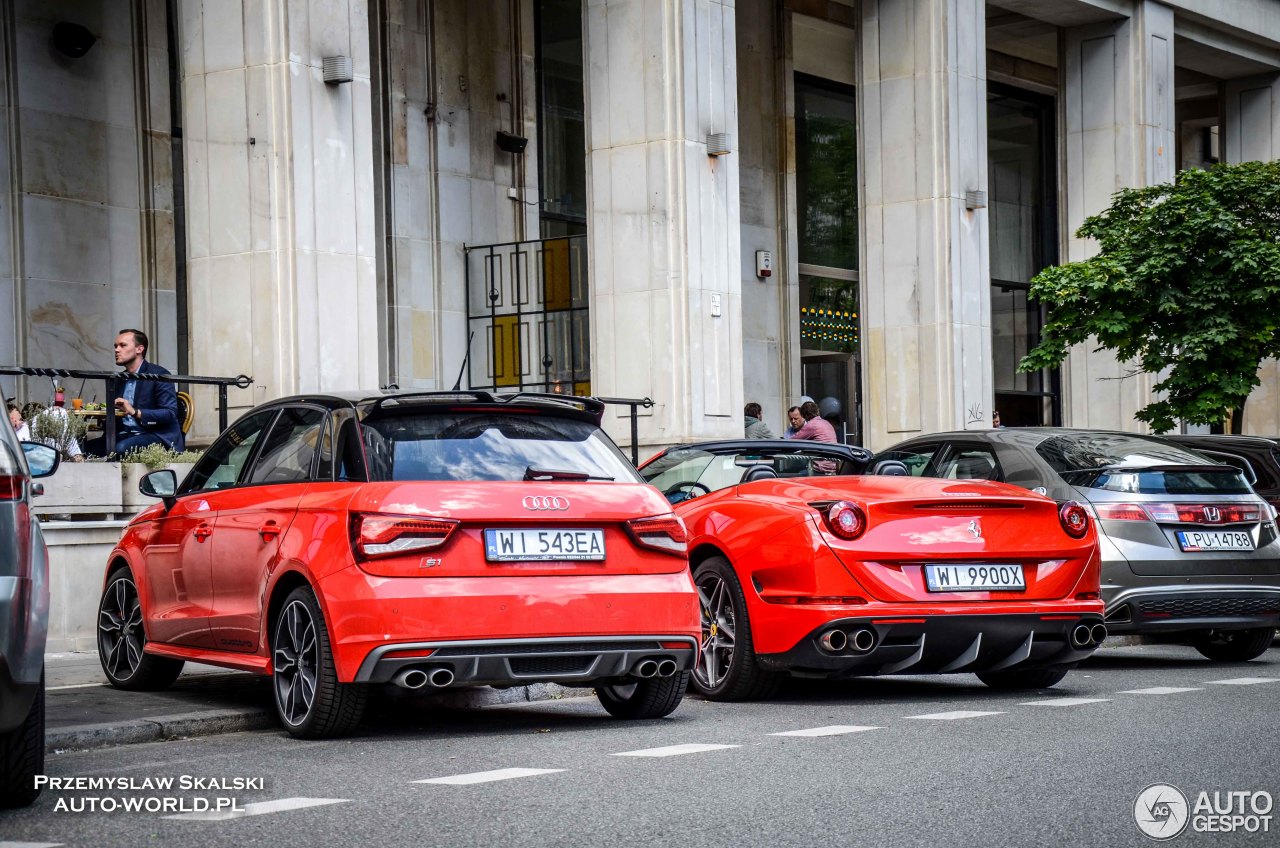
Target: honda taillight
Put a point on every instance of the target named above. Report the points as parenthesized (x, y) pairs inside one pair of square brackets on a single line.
[(375, 535), (665, 533), (1181, 513), (1075, 521), (846, 520)]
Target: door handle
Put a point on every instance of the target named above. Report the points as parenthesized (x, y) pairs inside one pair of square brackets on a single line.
[(269, 531), (203, 532)]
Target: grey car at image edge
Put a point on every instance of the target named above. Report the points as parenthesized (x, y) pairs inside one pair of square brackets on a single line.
[(1189, 550), (24, 613)]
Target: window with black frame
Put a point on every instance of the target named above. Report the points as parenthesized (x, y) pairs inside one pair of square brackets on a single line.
[(1022, 198)]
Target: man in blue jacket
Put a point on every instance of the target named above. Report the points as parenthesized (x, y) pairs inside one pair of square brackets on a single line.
[(149, 407)]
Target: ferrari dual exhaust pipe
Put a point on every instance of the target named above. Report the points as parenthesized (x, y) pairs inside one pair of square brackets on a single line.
[(416, 678), (1083, 636), (861, 640), (662, 667)]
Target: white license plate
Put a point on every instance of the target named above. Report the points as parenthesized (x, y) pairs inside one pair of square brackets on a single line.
[(544, 545), (977, 577), (1215, 540)]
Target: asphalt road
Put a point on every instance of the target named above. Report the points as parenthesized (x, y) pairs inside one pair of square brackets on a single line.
[(1013, 773)]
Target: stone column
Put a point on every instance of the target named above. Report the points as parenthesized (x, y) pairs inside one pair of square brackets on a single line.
[(927, 314), (663, 232), (279, 190), (1118, 104), (1252, 133)]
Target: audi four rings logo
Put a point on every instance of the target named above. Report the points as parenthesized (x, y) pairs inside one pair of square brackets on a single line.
[(542, 502)]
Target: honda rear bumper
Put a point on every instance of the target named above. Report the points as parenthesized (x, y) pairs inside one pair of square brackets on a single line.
[(1168, 609)]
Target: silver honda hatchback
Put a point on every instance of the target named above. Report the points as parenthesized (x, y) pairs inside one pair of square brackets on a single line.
[(1188, 549), (24, 612)]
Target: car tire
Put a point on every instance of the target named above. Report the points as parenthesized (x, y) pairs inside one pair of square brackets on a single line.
[(22, 756), (651, 697), (311, 702), (1031, 678), (727, 668), (122, 640), (1233, 645)]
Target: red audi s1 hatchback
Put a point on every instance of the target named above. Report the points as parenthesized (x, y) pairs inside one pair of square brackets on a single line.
[(806, 565), (429, 540)]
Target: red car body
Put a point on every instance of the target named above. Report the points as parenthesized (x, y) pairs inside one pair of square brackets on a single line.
[(798, 582), (213, 567)]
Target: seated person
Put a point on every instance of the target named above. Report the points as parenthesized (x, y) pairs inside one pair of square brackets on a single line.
[(149, 407)]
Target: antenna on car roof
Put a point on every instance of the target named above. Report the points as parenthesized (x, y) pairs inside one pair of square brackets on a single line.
[(457, 384)]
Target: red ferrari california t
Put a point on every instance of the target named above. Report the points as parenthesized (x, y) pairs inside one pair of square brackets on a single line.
[(804, 565), (428, 540)]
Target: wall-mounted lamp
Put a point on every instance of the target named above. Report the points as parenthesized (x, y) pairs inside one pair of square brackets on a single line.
[(337, 69), (717, 144), (975, 200), (510, 142), (72, 40)]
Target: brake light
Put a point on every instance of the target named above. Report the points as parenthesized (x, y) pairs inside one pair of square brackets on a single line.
[(375, 535), (1180, 513), (665, 533), (846, 520), (10, 487), (1075, 521), (814, 600)]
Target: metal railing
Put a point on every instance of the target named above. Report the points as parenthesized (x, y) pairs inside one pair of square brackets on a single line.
[(113, 380)]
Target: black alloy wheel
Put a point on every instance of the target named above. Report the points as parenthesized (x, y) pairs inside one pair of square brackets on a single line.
[(726, 668), (311, 702), (122, 640)]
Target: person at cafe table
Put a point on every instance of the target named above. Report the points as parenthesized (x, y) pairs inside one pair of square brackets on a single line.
[(149, 408)]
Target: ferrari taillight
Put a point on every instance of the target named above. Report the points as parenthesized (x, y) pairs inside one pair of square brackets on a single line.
[(376, 535), (846, 520), (665, 533), (1074, 518)]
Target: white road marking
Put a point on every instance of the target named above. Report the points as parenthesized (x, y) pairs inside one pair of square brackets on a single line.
[(1161, 690), (260, 808), (830, 730), (674, 750), (68, 686), (1242, 681), (952, 716), (1064, 702), (31, 844), (487, 776)]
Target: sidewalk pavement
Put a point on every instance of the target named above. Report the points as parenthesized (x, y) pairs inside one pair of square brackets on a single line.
[(83, 711)]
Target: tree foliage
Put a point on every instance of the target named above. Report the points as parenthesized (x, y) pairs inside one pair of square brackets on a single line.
[(1186, 278)]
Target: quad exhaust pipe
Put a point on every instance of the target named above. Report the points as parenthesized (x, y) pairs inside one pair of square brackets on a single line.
[(860, 640), (1083, 636), (416, 678)]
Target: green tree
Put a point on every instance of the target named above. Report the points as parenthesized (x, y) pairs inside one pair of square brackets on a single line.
[(1186, 278)]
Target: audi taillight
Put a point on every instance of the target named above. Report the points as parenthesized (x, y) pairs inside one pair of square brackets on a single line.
[(846, 520), (12, 479), (665, 533), (376, 535), (1074, 518)]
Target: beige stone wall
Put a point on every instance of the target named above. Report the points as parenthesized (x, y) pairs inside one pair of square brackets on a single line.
[(86, 201)]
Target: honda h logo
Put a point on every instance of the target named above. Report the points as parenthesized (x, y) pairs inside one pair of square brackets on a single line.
[(1212, 515), (542, 502)]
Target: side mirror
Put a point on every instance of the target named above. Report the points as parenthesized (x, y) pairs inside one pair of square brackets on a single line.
[(41, 459), (890, 468), (159, 484)]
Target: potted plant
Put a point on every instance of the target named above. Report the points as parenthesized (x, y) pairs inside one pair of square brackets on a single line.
[(142, 461)]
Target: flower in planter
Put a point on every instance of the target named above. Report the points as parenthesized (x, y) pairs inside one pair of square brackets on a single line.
[(55, 428), (157, 456)]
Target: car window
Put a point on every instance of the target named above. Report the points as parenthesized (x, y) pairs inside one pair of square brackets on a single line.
[(1231, 459), (1119, 462), (290, 448), (677, 466), (222, 463), (482, 445), (969, 462), (722, 469), (917, 458)]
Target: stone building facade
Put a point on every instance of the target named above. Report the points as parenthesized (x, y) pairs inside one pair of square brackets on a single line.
[(578, 195)]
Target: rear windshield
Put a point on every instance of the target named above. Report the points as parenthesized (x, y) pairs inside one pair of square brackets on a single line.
[(1122, 463), (491, 446)]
